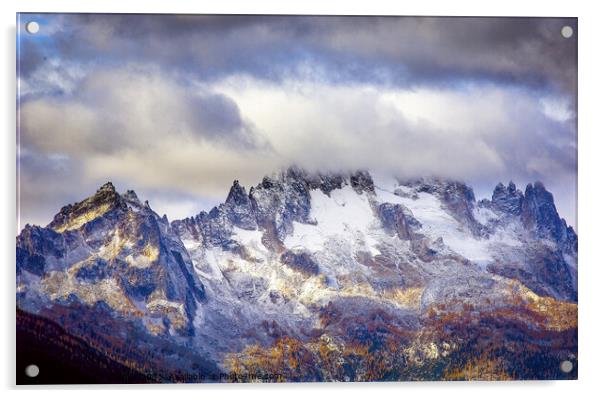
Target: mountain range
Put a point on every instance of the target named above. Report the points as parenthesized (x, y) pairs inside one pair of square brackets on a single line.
[(311, 277)]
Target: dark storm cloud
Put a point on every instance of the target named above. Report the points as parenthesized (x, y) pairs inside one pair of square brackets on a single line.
[(182, 105), (142, 108), (403, 51), (218, 117), (31, 57)]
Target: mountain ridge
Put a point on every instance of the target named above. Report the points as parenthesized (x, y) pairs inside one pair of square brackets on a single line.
[(266, 263)]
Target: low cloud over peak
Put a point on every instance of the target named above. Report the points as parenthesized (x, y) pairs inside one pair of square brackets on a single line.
[(186, 104)]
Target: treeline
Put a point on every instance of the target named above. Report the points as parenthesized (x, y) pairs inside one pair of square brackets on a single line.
[(124, 343), (63, 358)]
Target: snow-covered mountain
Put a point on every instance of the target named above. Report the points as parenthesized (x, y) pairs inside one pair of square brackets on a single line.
[(305, 256)]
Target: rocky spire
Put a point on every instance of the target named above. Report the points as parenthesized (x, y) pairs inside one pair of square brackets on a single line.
[(237, 195), (74, 216), (508, 200), (107, 187), (131, 196), (539, 212), (237, 210)]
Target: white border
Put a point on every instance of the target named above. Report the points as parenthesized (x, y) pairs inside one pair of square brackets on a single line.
[(590, 195)]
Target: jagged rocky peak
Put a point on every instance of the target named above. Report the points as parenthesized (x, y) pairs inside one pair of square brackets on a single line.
[(325, 181), (359, 180), (536, 210), (105, 202), (74, 216), (131, 197), (539, 212), (114, 249), (536, 206), (237, 195), (507, 199), (237, 209), (281, 199), (272, 205), (537, 195), (105, 194), (107, 187)]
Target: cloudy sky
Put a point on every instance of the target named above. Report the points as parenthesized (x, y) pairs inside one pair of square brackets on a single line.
[(176, 107)]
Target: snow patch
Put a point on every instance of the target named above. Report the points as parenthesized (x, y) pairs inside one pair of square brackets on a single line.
[(214, 258), (438, 223), (344, 214), (191, 244), (250, 239)]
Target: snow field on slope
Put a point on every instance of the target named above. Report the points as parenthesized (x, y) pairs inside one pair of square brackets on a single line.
[(437, 223), (344, 215)]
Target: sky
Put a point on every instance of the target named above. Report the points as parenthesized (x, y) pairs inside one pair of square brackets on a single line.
[(176, 107)]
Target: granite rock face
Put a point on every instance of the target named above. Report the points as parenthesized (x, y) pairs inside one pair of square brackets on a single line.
[(539, 213), (395, 220)]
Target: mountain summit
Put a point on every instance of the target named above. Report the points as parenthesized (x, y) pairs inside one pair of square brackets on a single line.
[(340, 257), (112, 248)]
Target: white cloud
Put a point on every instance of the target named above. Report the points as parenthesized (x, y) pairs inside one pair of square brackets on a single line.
[(163, 133), (470, 132), (557, 108)]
